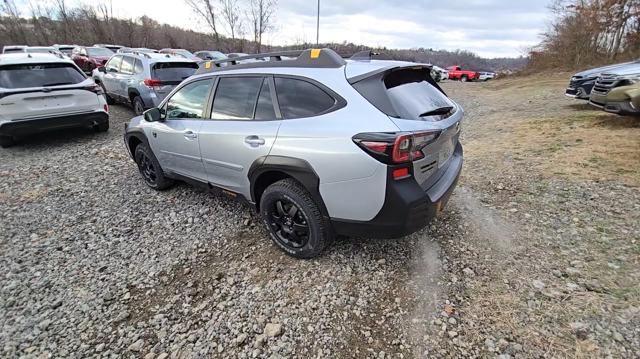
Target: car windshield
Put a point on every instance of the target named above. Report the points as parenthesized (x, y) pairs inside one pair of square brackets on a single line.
[(99, 51), (184, 53), (39, 75), (173, 71), (216, 55)]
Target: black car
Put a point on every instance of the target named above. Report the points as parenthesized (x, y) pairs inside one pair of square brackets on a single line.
[(582, 83)]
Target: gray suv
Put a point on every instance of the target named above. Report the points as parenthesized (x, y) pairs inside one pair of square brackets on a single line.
[(320, 145), (142, 79)]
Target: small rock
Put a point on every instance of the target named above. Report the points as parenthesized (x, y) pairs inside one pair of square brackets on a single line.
[(137, 346), (618, 337), (99, 347), (150, 356), (163, 356), (240, 339), (260, 340), (538, 284), (452, 334), (43, 325), (468, 271), (382, 262), (452, 321), (273, 330)]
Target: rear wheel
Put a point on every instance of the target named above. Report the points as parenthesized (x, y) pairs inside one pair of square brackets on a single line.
[(464, 79), (150, 169), (294, 220), (6, 141), (138, 105)]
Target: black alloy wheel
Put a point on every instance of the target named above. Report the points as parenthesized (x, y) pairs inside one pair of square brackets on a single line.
[(147, 169), (289, 223)]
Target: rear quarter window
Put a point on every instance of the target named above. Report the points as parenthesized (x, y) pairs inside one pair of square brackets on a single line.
[(39, 75), (299, 98)]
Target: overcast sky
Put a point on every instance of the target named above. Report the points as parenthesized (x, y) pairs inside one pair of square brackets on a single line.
[(490, 28)]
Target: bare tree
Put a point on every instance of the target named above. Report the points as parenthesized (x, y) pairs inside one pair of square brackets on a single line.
[(231, 15), (261, 19), (12, 22), (206, 11)]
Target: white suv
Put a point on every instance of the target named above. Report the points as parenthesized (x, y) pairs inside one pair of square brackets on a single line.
[(40, 92), (320, 145)]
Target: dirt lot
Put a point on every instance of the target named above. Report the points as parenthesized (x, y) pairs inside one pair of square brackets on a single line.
[(538, 254)]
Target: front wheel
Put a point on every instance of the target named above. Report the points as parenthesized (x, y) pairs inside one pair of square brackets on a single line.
[(464, 79), (150, 169), (294, 220)]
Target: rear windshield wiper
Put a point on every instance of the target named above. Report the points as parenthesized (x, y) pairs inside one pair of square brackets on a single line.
[(438, 111)]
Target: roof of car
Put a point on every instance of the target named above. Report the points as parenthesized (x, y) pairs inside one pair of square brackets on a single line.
[(156, 57), (31, 58)]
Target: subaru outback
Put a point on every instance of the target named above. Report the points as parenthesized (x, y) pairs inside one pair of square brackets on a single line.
[(320, 145), (142, 79)]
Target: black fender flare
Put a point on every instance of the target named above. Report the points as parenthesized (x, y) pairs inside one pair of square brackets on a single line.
[(139, 135), (296, 168)]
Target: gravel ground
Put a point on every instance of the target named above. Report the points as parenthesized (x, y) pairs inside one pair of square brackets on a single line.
[(522, 264)]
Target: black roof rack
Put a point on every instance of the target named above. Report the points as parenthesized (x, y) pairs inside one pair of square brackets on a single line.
[(312, 58)]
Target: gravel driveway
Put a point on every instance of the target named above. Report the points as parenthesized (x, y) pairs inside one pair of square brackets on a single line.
[(95, 264)]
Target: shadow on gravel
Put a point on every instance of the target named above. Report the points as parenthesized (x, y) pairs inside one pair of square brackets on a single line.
[(56, 138), (615, 122)]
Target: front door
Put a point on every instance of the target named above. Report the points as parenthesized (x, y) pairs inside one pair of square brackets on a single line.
[(242, 128), (175, 141), (109, 79)]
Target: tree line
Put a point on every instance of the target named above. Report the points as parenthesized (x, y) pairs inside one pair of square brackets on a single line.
[(589, 32), (233, 26)]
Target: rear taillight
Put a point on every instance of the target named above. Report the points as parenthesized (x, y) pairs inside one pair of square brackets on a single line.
[(152, 83), (394, 148), (95, 88)]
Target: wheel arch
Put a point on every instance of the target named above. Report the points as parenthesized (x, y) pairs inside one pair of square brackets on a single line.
[(133, 139), (132, 92), (267, 170)]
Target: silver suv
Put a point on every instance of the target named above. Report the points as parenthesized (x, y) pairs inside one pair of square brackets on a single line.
[(321, 146), (142, 79)]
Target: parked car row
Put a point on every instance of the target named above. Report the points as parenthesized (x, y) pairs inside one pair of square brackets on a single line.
[(614, 88), (457, 73)]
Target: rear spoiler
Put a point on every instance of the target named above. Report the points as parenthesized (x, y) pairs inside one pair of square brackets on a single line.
[(383, 71)]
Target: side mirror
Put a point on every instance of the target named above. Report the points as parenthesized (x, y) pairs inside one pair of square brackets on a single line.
[(102, 69), (152, 115)]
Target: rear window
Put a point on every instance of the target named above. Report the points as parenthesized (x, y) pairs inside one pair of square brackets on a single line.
[(299, 98), (412, 96), (39, 75), (173, 71)]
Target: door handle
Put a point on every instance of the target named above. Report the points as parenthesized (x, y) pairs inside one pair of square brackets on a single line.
[(190, 134), (254, 141)]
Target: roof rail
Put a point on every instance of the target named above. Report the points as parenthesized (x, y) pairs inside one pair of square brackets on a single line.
[(313, 58), (139, 53), (365, 55)]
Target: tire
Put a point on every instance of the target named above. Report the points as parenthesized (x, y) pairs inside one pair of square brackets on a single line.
[(107, 98), (6, 141), (464, 79), (150, 169), (138, 105), (294, 221), (102, 127)]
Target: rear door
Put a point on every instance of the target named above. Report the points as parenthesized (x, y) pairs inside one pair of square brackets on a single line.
[(44, 90), (165, 76), (175, 141), (125, 76), (242, 128)]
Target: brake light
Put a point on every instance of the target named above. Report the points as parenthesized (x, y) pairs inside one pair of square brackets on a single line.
[(401, 173), (95, 88), (152, 82), (396, 147)]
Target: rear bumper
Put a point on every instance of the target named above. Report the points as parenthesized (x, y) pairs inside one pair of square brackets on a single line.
[(31, 126), (407, 207)]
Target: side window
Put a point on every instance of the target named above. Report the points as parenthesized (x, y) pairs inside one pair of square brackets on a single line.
[(264, 107), (138, 67), (127, 65), (298, 98), (114, 64), (236, 98), (201, 55), (190, 101)]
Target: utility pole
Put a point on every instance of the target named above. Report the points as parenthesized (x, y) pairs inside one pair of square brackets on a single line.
[(318, 25)]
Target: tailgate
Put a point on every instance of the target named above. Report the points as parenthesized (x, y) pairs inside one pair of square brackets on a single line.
[(38, 104)]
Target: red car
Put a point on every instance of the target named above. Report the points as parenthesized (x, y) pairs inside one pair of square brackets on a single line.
[(457, 73), (90, 58)]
